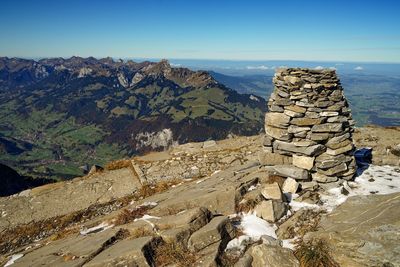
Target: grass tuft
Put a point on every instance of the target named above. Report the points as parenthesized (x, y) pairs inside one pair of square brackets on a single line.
[(314, 252), (168, 253)]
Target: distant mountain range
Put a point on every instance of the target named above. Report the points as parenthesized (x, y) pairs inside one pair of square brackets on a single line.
[(59, 114)]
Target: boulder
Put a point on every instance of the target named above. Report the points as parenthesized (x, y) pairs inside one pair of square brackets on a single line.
[(271, 210), (273, 256), (272, 191), (128, 252), (219, 229)]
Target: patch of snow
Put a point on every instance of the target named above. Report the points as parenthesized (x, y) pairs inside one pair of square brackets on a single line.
[(256, 227), (253, 187), (199, 181), (238, 242), (96, 229), (148, 204), (146, 218), (296, 205), (289, 243), (13, 259), (252, 97), (217, 171)]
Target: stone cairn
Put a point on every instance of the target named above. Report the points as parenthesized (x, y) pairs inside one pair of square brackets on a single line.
[(309, 127)]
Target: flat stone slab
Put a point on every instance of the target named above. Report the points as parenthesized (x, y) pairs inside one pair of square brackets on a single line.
[(364, 231)]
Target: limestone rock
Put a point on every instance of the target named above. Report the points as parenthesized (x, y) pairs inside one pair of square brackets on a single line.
[(218, 229), (303, 162), (342, 167), (272, 191), (321, 178), (306, 121), (292, 147), (290, 186), (288, 171), (278, 133), (277, 119), (273, 256), (328, 128), (269, 158), (271, 210), (341, 150), (364, 231)]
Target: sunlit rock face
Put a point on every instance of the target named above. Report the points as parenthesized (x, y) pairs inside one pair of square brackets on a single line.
[(309, 124)]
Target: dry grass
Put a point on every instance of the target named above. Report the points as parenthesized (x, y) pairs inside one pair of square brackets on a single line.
[(140, 232), (118, 164), (276, 179), (246, 205), (149, 189), (307, 222), (314, 252), (128, 215), (173, 253)]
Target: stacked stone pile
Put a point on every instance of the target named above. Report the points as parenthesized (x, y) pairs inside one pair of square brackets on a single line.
[(309, 124)]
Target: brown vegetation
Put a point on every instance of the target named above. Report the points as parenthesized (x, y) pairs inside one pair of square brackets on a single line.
[(314, 252), (149, 189), (118, 164), (173, 253), (275, 179), (128, 215)]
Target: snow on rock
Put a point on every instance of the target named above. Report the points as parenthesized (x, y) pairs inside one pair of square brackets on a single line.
[(96, 229), (13, 259), (253, 228)]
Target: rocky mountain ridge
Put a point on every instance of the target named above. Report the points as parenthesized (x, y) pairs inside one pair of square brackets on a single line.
[(207, 204), (66, 113)]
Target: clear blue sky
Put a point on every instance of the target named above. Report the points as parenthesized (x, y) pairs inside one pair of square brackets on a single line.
[(217, 29)]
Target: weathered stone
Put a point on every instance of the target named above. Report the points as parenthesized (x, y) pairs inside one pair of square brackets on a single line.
[(128, 252), (334, 170), (278, 133), (290, 185), (269, 158), (329, 113), (309, 185), (323, 104), (309, 151), (319, 136), (293, 80), (293, 114), (272, 191), (338, 145), (303, 162), (312, 115), (296, 109), (296, 129), (328, 128), (288, 171), (244, 261), (209, 143), (267, 140), (276, 119), (271, 210), (321, 178), (275, 108), (273, 256), (340, 150), (218, 229), (306, 121), (338, 139), (364, 231)]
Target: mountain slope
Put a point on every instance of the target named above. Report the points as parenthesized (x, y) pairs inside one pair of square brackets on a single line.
[(58, 114)]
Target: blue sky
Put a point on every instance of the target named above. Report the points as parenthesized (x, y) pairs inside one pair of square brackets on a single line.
[(236, 30)]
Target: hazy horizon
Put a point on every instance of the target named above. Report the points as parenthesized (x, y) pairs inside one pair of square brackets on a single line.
[(356, 31)]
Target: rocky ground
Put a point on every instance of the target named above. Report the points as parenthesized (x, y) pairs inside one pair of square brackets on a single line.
[(209, 204)]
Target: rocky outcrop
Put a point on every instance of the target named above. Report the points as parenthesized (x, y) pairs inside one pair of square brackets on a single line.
[(309, 120), (364, 231)]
